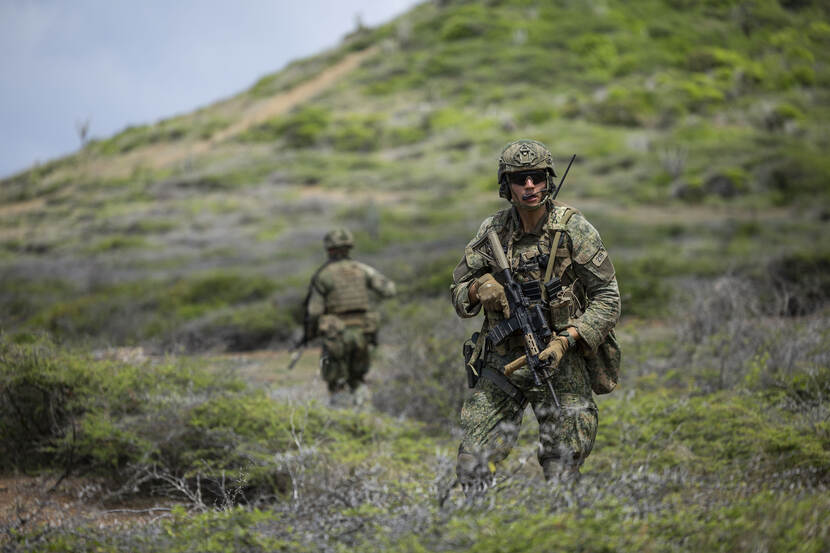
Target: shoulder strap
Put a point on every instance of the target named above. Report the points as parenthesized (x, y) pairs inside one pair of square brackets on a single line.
[(554, 245)]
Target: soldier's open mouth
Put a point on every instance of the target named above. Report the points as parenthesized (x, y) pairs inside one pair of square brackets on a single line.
[(528, 197)]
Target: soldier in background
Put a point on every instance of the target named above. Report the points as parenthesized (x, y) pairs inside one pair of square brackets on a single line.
[(581, 317), (338, 311)]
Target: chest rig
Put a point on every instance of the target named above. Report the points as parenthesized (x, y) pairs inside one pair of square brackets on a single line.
[(541, 268), (533, 268)]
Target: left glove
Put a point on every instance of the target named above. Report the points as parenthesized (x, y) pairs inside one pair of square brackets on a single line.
[(555, 351)]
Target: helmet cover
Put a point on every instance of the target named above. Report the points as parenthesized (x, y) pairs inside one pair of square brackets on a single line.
[(523, 155), (338, 238)]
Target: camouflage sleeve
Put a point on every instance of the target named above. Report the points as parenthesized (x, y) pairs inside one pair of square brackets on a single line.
[(376, 281), (471, 266), (595, 271)]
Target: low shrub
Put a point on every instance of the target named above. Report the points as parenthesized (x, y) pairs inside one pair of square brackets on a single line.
[(424, 376), (213, 309), (176, 430), (357, 134)]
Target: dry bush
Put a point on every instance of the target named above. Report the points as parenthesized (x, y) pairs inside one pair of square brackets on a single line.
[(424, 376), (736, 331)]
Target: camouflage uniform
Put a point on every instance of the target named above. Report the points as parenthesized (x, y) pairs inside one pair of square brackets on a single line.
[(338, 311), (490, 418)]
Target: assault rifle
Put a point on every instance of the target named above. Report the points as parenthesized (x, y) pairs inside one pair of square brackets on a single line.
[(298, 348), (525, 319), (297, 352)]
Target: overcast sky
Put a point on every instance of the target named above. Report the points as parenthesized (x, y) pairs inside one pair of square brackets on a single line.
[(122, 63)]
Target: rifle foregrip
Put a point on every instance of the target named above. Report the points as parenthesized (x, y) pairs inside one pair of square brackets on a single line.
[(515, 365)]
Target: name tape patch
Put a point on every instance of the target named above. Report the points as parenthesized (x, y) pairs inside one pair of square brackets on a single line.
[(600, 256)]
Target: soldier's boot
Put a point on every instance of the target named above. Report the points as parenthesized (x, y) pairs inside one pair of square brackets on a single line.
[(473, 475), (560, 470), (362, 398), (340, 396)]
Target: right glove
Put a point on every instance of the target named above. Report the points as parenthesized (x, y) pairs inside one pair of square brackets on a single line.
[(491, 295)]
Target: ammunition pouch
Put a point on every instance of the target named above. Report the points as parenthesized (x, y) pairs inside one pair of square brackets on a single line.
[(330, 325), (367, 321), (559, 310)]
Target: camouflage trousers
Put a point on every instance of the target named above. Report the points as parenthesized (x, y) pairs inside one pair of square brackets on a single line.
[(491, 421), (345, 358)]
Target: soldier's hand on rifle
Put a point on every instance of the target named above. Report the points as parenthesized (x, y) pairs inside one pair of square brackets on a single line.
[(555, 351), (491, 294)]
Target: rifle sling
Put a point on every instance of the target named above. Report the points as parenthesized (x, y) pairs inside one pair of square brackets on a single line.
[(554, 246)]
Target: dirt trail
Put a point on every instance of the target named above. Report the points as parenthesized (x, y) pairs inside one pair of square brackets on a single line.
[(281, 103), (166, 154)]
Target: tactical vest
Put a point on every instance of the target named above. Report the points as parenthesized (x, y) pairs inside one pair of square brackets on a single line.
[(348, 288), (552, 257), (602, 366)]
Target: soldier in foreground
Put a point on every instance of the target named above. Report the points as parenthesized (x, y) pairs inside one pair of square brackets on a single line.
[(554, 261), (338, 310)]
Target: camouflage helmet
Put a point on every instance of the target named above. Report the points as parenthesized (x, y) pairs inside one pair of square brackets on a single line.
[(338, 238), (523, 155)]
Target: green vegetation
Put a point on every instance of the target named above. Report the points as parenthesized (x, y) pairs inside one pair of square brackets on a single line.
[(206, 311), (141, 426), (198, 126), (700, 134)]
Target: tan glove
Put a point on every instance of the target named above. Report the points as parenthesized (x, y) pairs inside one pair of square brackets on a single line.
[(491, 295), (555, 351)]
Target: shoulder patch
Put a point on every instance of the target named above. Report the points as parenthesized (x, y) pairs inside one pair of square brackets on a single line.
[(599, 257)]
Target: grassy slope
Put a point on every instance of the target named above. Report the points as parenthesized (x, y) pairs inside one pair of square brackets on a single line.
[(700, 129)]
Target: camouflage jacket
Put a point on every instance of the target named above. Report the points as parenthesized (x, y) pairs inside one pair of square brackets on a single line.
[(342, 287), (581, 262)]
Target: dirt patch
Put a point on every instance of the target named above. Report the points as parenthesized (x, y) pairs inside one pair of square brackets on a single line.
[(36, 502), (21, 207)]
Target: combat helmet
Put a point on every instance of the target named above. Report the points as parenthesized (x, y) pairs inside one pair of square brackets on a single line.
[(338, 238), (524, 155)]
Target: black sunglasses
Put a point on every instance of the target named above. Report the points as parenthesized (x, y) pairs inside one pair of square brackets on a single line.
[(520, 178)]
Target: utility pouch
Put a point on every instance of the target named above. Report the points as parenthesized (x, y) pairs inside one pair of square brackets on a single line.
[(472, 362), (604, 366), (562, 309), (560, 313), (330, 325), (371, 322)]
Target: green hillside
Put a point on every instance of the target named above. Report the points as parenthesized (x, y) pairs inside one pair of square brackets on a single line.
[(701, 132)]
